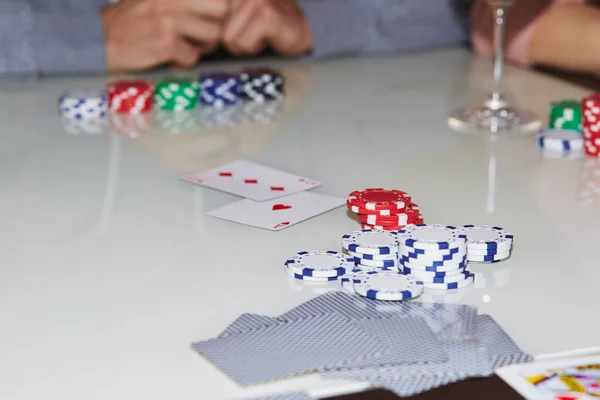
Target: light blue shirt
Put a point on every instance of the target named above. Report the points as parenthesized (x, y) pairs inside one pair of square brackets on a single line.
[(49, 37)]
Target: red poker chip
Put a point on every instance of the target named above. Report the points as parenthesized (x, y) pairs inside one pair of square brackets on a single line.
[(390, 227), (379, 199), (408, 216), (130, 96), (361, 210)]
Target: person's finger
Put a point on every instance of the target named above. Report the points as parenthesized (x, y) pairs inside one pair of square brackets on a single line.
[(184, 54), (251, 39), (199, 30), (216, 9), (238, 21)]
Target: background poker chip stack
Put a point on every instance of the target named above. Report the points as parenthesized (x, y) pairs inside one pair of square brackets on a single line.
[(83, 111), (487, 244), (563, 138), (383, 209), (591, 124), (436, 255), (222, 98)]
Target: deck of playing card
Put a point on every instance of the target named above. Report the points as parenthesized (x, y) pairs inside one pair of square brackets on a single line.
[(407, 347), (274, 199)]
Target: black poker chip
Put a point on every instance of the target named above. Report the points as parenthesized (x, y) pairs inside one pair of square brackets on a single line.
[(262, 85)]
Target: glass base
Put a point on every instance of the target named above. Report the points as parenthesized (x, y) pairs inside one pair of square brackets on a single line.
[(497, 119)]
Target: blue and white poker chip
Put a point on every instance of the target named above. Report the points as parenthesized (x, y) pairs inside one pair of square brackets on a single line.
[(485, 259), (454, 285), (431, 237), (485, 237), (490, 252), (83, 104), (308, 278), (461, 276), (387, 285), (432, 274), (371, 242), (376, 263), (434, 267), (320, 264), (374, 257), (560, 140), (432, 257)]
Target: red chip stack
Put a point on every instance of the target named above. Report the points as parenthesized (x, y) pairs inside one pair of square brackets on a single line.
[(590, 106), (384, 209), (130, 96)]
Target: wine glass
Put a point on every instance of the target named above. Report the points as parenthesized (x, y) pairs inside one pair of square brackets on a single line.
[(495, 114)]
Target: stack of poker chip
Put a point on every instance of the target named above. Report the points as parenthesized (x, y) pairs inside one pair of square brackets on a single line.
[(83, 111), (226, 99), (591, 124), (82, 104), (383, 209), (318, 265), (130, 96), (261, 85), (487, 244), (376, 276), (566, 115), (177, 94), (220, 90), (436, 255), (560, 143)]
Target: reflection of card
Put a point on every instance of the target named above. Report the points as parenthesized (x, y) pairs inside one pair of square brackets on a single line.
[(252, 181), (279, 213), (571, 378)]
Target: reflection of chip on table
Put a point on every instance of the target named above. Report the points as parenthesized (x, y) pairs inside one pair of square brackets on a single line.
[(207, 148)]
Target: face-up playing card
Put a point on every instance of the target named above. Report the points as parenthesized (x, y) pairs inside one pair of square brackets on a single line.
[(279, 213), (252, 181), (571, 378)]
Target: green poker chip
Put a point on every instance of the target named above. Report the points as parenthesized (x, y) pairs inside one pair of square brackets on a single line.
[(177, 94), (566, 115)]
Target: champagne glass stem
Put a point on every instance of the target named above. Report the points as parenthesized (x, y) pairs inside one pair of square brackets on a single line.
[(499, 24)]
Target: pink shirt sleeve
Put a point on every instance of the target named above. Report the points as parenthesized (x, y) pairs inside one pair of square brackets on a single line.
[(522, 19)]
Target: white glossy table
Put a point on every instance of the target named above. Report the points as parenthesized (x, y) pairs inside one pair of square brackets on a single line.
[(109, 268)]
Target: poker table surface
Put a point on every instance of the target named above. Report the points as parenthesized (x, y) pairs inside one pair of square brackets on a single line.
[(110, 269)]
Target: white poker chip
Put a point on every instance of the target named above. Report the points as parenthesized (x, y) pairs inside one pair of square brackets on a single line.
[(560, 140), (374, 257), (309, 278), (83, 104), (434, 267), (431, 237), (376, 263), (457, 277), (432, 274), (491, 252), (454, 285), (429, 257), (320, 264), (371, 242), (387, 285), (485, 237), (487, 259)]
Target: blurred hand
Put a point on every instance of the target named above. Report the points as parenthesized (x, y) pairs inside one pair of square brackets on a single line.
[(254, 24), (141, 34)]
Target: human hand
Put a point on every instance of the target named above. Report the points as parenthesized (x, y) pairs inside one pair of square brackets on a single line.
[(141, 34), (254, 24)]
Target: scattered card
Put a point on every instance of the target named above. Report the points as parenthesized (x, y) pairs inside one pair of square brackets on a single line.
[(252, 181), (573, 378), (279, 213)]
